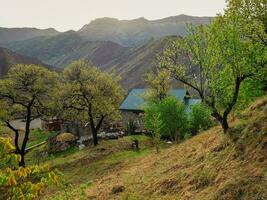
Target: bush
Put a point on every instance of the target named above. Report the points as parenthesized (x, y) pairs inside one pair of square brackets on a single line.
[(167, 117), (187, 136), (199, 118), (22, 183)]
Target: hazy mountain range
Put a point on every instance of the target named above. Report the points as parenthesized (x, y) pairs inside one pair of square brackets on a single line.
[(9, 58), (127, 46)]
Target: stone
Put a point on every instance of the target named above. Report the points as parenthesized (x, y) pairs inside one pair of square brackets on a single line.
[(118, 189)]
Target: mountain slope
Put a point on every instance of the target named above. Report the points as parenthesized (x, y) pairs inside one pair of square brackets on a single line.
[(9, 58), (209, 166), (133, 64), (63, 48), (16, 34), (137, 31), (129, 62)]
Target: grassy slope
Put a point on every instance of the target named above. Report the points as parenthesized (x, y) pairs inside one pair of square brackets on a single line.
[(210, 166)]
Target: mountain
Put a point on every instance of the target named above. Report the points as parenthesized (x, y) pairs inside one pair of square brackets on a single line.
[(129, 62), (9, 58), (128, 47), (17, 34), (134, 63), (63, 48), (137, 31)]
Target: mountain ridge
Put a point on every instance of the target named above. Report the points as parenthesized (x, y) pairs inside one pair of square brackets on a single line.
[(137, 31), (18, 34), (128, 47), (9, 58)]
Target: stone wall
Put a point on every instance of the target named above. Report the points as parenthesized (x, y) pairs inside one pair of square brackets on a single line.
[(77, 128)]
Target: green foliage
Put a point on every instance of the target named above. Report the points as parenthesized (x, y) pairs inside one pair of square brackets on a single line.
[(253, 17), (159, 84), (225, 59), (22, 183), (25, 93), (167, 118), (199, 118), (90, 95), (187, 136), (38, 136)]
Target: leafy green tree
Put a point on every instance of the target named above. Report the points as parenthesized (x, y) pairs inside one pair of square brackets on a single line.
[(199, 118), (167, 118), (253, 16), (24, 93), (159, 83), (154, 124), (215, 60), (22, 183), (90, 95)]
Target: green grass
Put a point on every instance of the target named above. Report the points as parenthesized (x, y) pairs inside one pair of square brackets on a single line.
[(37, 136), (81, 168)]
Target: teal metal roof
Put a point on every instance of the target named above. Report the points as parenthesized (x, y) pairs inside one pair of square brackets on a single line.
[(134, 101)]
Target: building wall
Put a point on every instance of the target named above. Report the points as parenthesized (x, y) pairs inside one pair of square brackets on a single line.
[(136, 117), (77, 128)]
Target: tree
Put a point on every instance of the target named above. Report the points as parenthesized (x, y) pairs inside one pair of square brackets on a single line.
[(22, 183), (214, 61), (199, 118), (154, 124), (167, 118), (159, 83), (23, 95), (253, 15), (90, 95)]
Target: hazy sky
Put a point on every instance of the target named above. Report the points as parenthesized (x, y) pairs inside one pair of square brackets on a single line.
[(73, 14)]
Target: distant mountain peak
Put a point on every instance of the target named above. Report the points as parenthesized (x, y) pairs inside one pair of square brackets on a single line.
[(104, 20), (137, 31)]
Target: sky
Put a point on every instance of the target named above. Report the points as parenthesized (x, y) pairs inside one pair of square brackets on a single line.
[(65, 15)]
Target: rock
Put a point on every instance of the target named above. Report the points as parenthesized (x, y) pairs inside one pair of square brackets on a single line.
[(81, 146), (118, 189)]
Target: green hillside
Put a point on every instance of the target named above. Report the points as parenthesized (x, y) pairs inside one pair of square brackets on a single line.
[(209, 166)]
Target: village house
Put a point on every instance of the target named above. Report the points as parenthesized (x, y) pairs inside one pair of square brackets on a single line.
[(132, 108)]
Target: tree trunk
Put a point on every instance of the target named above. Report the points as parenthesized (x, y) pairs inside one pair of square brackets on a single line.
[(26, 137), (224, 125), (94, 128), (221, 120), (22, 161), (95, 139), (16, 140)]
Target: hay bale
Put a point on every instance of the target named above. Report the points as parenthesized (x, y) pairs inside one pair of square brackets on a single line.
[(66, 137)]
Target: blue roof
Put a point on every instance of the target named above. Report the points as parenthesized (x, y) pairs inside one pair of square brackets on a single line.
[(135, 101)]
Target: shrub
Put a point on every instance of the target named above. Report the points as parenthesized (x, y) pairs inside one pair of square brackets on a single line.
[(22, 182), (168, 118), (199, 118)]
